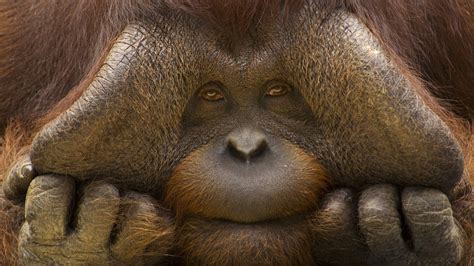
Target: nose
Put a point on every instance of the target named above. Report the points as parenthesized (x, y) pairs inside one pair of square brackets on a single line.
[(246, 144)]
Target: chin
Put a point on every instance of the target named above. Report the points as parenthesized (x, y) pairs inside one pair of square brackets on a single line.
[(281, 241)]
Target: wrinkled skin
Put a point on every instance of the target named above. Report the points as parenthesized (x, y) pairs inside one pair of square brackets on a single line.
[(361, 119)]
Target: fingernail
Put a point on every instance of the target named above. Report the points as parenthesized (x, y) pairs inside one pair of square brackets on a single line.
[(26, 171)]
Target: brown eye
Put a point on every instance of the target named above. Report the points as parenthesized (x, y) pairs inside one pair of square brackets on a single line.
[(277, 90), (212, 94)]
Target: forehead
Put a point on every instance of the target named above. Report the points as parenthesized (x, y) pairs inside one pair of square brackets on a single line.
[(266, 51)]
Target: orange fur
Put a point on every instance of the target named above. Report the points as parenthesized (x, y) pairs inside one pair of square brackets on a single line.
[(187, 193)]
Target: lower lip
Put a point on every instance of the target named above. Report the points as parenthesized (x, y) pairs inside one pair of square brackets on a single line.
[(232, 227)]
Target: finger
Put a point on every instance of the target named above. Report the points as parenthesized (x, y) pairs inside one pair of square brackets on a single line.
[(145, 225), (379, 221), (96, 215), (336, 213), (18, 178), (335, 230), (433, 228), (47, 205)]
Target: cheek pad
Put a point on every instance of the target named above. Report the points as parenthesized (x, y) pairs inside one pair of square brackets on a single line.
[(373, 125)]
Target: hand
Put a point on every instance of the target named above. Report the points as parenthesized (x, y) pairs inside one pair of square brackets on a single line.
[(414, 227), (384, 226), (94, 225)]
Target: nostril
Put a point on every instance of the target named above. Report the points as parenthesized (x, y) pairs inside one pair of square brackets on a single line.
[(259, 149), (246, 145), (235, 152)]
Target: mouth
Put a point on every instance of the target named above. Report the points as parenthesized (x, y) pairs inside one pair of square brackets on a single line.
[(255, 225), (277, 190)]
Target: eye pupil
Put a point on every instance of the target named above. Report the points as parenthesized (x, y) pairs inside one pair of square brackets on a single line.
[(277, 91), (212, 95)]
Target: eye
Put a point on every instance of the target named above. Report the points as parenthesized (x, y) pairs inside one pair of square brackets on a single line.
[(277, 90), (212, 94)]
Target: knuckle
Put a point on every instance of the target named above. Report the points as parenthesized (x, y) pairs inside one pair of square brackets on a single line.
[(379, 194), (379, 188), (426, 204), (424, 195), (139, 203), (340, 196), (51, 184), (103, 190), (138, 197)]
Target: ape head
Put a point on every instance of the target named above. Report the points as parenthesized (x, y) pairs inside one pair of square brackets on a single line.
[(241, 135)]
